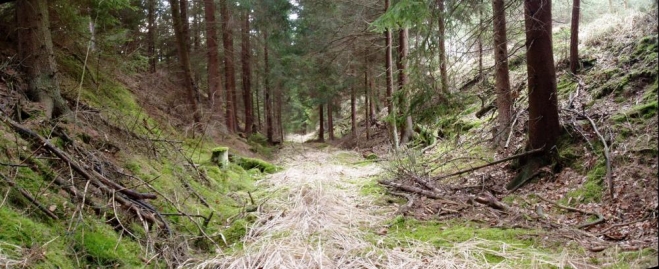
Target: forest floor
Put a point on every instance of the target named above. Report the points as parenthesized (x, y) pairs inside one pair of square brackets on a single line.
[(325, 210)]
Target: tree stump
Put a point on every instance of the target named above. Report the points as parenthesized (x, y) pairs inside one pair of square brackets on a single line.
[(220, 156)]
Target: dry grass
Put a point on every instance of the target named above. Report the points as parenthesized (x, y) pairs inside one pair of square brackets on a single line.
[(11, 250), (317, 218)]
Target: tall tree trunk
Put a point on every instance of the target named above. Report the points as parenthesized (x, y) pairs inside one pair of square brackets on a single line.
[(574, 37), (330, 119), (544, 128), (480, 43), (196, 34), (442, 48), (280, 104), (367, 101), (214, 80), (402, 83), (390, 84), (229, 68), (502, 84), (257, 102), (268, 103), (321, 123), (35, 47), (543, 104), (151, 35), (247, 73), (185, 24), (353, 112), (184, 58)]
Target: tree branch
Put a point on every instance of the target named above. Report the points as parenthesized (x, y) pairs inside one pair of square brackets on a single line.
[(490, 164)]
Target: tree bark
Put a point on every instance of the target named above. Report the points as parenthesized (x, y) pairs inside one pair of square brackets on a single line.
[(247, 73), (330, 120), (480, 43), (321, 123), (35, 48), (196, 33), (402, 83), (574, 37), (151, 35), (229, 68), (502, 84), (214, 80), (543, 124), (443, 73), (184, 58), (367, 101), (280, 104), (267, 102), (185, 24), (353, 112), (390, 84)]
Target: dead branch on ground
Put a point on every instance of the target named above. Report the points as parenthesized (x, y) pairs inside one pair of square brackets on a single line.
[(29, 197), (607, 154), (489, 164), (429, 194), (599, 216)]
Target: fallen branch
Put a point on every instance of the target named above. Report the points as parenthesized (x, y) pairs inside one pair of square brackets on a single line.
[(405, 208), (106, 186), (599, 216), (490, 164), (489, 200), (29, 197), (95, 177), (12, 164), (624, 224), (607, 155), (429, 194)]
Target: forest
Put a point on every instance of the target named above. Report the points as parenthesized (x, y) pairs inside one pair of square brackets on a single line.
[(329, 134)]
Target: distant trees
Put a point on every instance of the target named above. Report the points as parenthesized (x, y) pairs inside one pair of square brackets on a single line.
[(182, 42), (213, 68), (229, 69)]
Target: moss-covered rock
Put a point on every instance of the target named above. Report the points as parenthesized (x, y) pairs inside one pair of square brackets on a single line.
[(261, 165)]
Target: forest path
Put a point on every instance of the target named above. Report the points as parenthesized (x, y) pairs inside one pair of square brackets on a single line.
[(317, 217)]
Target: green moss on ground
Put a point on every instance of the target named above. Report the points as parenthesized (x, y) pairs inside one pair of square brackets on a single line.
[(447, 234), (591, 190), (261, 165)]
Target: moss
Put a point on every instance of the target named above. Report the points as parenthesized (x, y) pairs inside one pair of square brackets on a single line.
[(446, 234), (236, 231), (103, 247), (46, 239), (644, 258), (591, 190), (565, 86), (371, 157), (263, 166)]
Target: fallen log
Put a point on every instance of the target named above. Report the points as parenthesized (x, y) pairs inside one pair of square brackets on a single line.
[(429, 194)]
